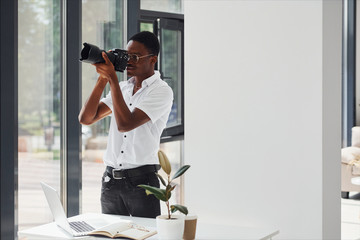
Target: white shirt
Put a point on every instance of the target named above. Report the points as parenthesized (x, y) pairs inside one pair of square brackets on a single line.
[(139, 146)]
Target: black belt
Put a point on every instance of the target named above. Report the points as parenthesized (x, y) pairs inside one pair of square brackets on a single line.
[(133, 172)]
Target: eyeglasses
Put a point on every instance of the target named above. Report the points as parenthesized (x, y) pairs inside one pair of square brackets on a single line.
[(135, 58)]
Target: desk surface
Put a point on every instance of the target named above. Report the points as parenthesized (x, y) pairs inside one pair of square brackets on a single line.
[(204, 231)]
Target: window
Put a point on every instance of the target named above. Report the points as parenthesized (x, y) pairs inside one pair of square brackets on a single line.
[(170, 30), (170, 6), (171, 53), (102, 25), (169, 27), (174, 151), (349, 95), (39, 108), (47, 91)]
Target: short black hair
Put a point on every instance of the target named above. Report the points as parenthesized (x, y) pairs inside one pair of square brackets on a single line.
[(149, 40)]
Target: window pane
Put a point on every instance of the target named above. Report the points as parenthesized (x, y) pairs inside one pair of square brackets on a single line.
[(145, 26), (39, 107), (102, 24), (172, 6), (173, 151), (171, 70)]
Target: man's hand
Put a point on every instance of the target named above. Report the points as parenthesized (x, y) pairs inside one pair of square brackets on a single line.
[(106, 70), (94, 110)]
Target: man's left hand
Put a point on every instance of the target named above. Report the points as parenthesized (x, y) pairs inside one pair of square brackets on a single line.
[(106, 70)]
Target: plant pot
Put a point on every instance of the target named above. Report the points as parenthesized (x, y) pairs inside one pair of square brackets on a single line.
[(190, 227), (170, 229)]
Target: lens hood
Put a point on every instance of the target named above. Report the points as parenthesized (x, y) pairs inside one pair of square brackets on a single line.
[(91, 54)]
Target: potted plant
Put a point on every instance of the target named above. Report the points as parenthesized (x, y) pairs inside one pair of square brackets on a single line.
[(169, 226)]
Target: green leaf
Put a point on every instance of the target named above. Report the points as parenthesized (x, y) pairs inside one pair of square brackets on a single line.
[(164, 162), (158, 193), (168, 196), (161, 179), (180, 208), (148, 192), (181, 171), (168, 191), (151, 189)]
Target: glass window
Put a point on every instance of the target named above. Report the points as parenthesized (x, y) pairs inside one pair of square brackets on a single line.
[(102, 25), (39, 108), (170, 34), (174, 152), (171, 6), (146, 26), (170, 68)]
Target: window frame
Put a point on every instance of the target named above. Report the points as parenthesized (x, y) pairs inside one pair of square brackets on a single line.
[(70, 100), (135, 17), (170, 133), (9, 118), (349, 71), (71, 174)]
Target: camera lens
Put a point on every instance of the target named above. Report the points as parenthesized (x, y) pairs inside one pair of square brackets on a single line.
[(92, 54)]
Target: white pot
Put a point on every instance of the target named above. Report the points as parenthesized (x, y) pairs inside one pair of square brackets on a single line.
[(170, 229)]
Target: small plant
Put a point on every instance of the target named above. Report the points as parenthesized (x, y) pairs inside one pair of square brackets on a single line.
[(165, 194)]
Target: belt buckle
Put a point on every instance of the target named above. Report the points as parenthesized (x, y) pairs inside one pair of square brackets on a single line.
[(113, 175)]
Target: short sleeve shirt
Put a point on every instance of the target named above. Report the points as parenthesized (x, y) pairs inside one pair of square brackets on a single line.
[(139, 146)]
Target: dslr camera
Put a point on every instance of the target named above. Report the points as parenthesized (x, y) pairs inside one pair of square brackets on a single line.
[(92, 54)]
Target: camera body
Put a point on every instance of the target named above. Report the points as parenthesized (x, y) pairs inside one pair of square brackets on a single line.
[(92, 54), (121, 59)]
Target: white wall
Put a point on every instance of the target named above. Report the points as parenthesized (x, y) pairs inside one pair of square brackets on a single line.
[(254, 120)]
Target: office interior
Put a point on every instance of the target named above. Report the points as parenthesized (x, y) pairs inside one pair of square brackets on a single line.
[(266, 97)]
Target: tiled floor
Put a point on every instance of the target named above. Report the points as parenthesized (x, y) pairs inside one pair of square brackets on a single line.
[(32, 205), (350, 217)]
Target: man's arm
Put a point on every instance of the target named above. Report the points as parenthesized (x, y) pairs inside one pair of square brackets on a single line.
[(94, 110), (125, 119)]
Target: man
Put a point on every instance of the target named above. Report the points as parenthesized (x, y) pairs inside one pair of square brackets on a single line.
[(139, 109)]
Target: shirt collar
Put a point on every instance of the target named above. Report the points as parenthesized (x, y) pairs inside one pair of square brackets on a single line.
[(149, 80)]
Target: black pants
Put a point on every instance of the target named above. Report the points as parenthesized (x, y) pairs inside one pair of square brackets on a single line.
[(123, 197)]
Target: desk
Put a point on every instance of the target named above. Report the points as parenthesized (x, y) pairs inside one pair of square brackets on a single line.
[(204, 231)]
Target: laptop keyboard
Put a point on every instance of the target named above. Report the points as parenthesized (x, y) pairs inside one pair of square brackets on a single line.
[(81, 226)]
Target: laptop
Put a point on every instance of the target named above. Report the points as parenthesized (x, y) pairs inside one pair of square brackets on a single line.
[(75, 228)]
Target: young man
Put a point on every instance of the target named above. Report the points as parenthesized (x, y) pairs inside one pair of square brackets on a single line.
[(139, 109)]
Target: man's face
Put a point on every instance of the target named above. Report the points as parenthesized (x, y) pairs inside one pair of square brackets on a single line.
[(145, 66)]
